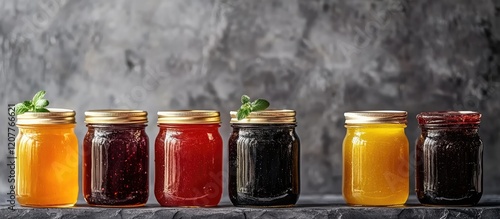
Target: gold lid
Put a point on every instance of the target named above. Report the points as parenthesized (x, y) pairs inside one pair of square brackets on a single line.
[(266, 117), (112, 116), (375, 117), (55, 116), (189, 117)]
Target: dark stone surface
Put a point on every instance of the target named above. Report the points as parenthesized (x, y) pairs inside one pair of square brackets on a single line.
[(319, 57), (331, 206)]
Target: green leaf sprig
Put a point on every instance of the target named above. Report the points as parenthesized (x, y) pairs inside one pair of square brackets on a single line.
[(247, 106), (37, 104)]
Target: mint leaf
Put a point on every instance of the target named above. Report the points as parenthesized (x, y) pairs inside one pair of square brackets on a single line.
[(243, 113), (248, 107), (41, 103), (245, 99), (37, 104), (28, 103), (39, 95), (41, 110), (260, 104), (20, 108)]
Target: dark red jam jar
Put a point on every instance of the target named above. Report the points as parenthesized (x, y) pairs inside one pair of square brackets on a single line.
[(264, 152), (116, 158), (449, 158), (188, 158)]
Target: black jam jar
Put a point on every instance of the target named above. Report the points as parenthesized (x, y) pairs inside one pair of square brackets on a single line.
[(116, 158), (449, 156), (264, 159)]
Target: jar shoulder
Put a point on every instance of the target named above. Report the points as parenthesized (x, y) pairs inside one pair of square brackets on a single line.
[(107, 136), (263, 137)]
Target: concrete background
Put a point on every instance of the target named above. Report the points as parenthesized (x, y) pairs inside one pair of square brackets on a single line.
[(319, 57)]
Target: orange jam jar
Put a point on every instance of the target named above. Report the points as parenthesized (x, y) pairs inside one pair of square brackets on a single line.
[(47, 159), (375, 158)]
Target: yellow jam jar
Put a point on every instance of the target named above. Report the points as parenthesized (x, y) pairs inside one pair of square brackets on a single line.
[(375, 158), (47, 159)]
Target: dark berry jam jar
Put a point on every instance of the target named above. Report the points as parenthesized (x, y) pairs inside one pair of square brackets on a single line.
[(116, 158), (188, 158), (449, 156), (264, 159)]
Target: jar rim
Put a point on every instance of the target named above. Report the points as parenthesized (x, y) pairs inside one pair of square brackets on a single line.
[(54, 116), (268, 116), (375, 117), (188, 117), (448, 118), (116, 116)]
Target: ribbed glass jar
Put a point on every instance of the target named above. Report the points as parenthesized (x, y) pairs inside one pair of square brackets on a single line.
[(47, 159), (264, 154), (188, 158), (375, 158), (116, 158), (449, 158)]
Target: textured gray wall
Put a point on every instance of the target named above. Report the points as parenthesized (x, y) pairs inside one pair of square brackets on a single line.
[(320, 58)]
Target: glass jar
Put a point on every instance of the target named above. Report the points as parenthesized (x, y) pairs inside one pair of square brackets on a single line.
[(47, 159), (116, 158), (188, 158), (449, 156), (375, 158), (264, 154)]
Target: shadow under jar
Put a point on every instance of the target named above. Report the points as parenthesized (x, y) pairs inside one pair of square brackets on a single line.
[(116, 158), (188, 158), (449, 156), (264, 153)]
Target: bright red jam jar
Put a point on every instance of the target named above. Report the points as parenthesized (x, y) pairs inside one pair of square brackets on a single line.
[(188, 158)]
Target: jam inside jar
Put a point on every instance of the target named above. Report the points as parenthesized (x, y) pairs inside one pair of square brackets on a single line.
[(47, 159), (188, 158), (375, 158), (264, 159), (449, 156), (116, 158)]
